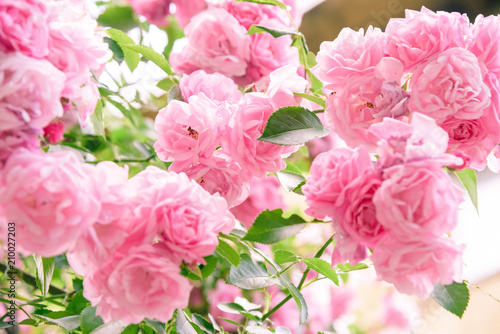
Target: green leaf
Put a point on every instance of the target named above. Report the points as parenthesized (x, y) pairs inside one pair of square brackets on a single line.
[(117, 16), (293, 126), (69, 323), (185, 326), (116, 49), (209, 268), (298, 188), (89, 321), (316, 84), (151, 54), (44, 271), (204, 324), (97, 120), (313, 98), (283, 256), (453, 297), (174, 32), (232, 308), (29, 322), (322, 267), (113, 327), (289, 180), (347, 267), (158, 326), (132, 329), (249, 275), (270, 227), (227, 252), (311, 60), (275, 32), (131, 57), (266, 2), (299, 299), (78, 303), (166, 84), (175, 94), (469, 180)]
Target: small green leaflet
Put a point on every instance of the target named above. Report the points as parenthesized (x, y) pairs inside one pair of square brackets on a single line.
[(89, 321), (256, 29), (151, 54), (347, 267), (293, 126), (453, 297), (266, 2), (322, 267), (228, 252), (270, 227), (166, 84), (290, 180), (469, 180), (117, 16), (44, 271), (69, 323), (299, 299), (131, 57), (313, 98), (283, 256), (249, 275), (184, 325)]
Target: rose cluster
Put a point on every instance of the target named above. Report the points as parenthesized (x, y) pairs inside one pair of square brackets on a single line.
[(127, 237), (436, 64), (47, 52), (400, 208)]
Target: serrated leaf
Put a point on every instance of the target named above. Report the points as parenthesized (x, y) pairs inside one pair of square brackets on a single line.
[(131, 56), (113, 327), (293, 126), (283, 256), (249, 275), (117, 16), (228, 252), (158, 326), (266, 2), (275, 32), (44, 271), (78, 303), (166, 84), (131, 329), (151, 54), (270, 227), (204, 324), (313, 98), (116, 49), (232, 308), (469, 180), (209, 268), (322, 267), (316, 84), (185, 326), (453, 297), (289, 180), (298, 188), (69, 323), (347, 267), (28, 322), (299, 299), (89, 320)]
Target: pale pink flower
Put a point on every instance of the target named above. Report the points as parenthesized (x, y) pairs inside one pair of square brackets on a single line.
[(417, 201), (155, 11), (485, 43), (423, 34), (24, 28), (51, 197), (331, 174), (215, 86), (143, 283), (186, 9), (348, 249), (449, 84), (264, 194), (30, 92), (219, 174), (224, 293), (414, 267), (11, 140), (249, 14), (216, 42), (352, 52), (494, 160), (285, 81), (189, 131)]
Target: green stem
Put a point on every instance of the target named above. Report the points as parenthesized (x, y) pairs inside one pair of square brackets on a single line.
[(30, 280), (303, 279)]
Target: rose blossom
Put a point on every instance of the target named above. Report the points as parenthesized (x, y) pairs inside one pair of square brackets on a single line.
[(24, 28), (216, 42), (11, 140), (494, 160), (31, 92), (331, 172), (249, 14), (417, 201), (414, 267), (450, 84), (186, 9), (189, 131), (155, 11), (219, 174), (142, 283), (423, 34), (224, 293), (54, 132), (264, 194), (283, 83), (351, 52), (239, 140), (50, 197), (215, 86), (485, 43)]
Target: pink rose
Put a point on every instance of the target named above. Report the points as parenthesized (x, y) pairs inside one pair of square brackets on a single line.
[(216, 42), (420, 35), (24, 28), (348, 249), (54, 132), (155, 11), (11, 140), (417, 201), (249, 14), (219, 174), (51, 197), (186, 9), (224, 293), (450, 84), (31, 92), (185, 217), (494, 160), (215, 86), (352, 52), (239, 140), (189, 131), (143, 283), (264, 194), (285, 81), (331, 174), (485, 43), (414, 267)]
